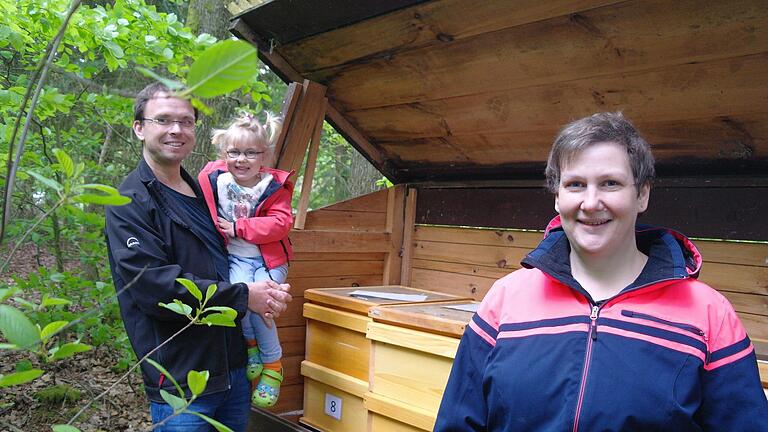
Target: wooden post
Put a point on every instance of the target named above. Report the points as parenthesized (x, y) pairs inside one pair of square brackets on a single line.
[(290, 101), (394, 226), (309, 171), (408, 223), (311, 105)]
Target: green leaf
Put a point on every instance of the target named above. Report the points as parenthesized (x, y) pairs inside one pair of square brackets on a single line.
[(197, 381), (17, 378), (174, 401), (53, 301), (53, 184), (171, 84), (219, 426), (222, 68), (17, 328), (114, 49), (165, 372), (51, 329), (113, 200), (210, 292), (101, 187), (225, 310), (68, 350), (64, 428), (191, 287), (23, 366), (8, 346), (66, 163), (218, 319), (6, 293), (178, 307)]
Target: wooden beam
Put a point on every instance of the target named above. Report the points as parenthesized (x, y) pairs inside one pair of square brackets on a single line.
[(394, 226), (290, 101), (311, 107), (266, 52), (408, 225), (309, 172)]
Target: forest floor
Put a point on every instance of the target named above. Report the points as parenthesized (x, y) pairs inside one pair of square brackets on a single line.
[(123, 408)]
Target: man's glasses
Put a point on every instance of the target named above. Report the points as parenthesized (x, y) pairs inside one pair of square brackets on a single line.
[(165, 122), (249, 154)]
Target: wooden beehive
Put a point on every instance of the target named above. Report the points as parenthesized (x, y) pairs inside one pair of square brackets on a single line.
[(337, 361), (411, 357)]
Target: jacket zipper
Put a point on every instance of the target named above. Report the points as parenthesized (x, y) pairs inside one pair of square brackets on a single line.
[(681, 326), (587, 360)]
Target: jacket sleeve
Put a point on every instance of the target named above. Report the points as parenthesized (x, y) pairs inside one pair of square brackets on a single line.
[(140, 259), (732, 396), (464, 405), (273, 225)]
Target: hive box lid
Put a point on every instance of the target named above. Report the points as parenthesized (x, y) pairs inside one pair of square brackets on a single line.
[(441, 317), (343, 297)]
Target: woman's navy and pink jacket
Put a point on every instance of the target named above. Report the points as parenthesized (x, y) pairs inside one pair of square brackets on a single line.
[(668, 353)]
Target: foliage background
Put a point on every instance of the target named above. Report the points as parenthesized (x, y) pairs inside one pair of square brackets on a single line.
[(85, 110)]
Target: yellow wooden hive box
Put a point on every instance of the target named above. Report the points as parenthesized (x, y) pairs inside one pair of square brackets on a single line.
[(336, 369), (411, 357)]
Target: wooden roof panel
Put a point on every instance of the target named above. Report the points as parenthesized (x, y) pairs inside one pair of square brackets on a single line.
[(451, 88)]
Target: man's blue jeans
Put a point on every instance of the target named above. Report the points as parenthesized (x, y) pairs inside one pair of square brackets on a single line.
[(231, 407)]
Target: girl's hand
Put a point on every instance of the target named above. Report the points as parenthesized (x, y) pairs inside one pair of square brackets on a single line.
[(227, 226)]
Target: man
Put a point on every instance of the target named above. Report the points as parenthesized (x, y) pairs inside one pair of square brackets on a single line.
[(166, 233)]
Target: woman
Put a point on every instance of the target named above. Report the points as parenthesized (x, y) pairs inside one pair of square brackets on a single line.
[(606, 327)]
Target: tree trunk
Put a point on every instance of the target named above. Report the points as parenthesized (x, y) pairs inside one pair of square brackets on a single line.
[(212, 17)]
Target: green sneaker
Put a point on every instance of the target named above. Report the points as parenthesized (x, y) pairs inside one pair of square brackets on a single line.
[(268, 389)]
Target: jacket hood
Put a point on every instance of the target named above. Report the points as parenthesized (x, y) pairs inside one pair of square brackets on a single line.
[(221, 165), (671, 255)]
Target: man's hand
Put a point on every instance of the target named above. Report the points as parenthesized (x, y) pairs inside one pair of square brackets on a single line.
[(268, 299), (227, 226)]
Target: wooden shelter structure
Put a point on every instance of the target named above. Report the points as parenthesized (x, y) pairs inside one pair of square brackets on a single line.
[(457, 102)]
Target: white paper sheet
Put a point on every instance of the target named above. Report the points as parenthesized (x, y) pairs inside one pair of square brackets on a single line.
[(363, 294), (466, 307)]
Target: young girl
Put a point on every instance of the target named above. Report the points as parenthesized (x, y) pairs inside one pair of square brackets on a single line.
[(251, 206)]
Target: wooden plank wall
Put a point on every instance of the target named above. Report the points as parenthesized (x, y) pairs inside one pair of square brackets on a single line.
[(345, 244), (466, 261)]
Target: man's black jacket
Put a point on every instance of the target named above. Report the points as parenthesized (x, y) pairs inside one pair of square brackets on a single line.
[(152, 234)]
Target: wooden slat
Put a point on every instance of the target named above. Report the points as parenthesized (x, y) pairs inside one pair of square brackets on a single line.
[(358, 140), (753, 254), (730, 277), (489, 256), (465, 269), (497, 237), (432, 317), (602, 41), (330, 241), (691, 91), (342, 256), (429, 24), (409, 220), (338, 268), (309, 170), (311, 106), (371, 202), (346, 220), (334, 378), (474, 287)]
